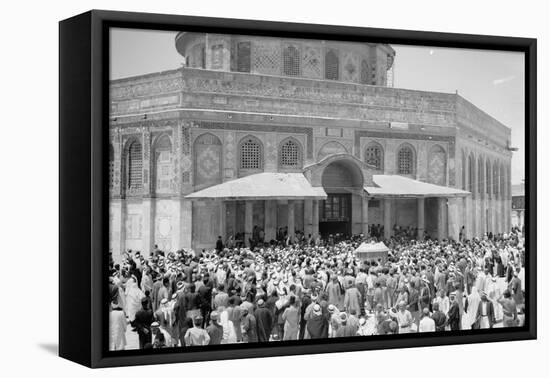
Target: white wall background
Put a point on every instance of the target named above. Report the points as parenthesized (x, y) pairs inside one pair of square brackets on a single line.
[(29, 186)]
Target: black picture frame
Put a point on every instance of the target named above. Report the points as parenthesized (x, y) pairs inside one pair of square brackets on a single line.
[(83, 196)]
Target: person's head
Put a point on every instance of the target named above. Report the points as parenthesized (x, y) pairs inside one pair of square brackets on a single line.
[(435, 307), (197, 321), (426, 312), (145, 303), (401, 305), (507, 293)]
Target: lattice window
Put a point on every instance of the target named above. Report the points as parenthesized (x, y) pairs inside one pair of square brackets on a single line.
[(251, 154), (373, 156), (331, 65), (243, 57), (289, 155), (405, 164), (135, 166), (291, 61), (111, 166), (267, 59), (365, 72)]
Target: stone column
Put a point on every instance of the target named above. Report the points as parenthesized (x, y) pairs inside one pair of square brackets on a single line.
[(291, 220), (148, 226), (308, 217), (248, 221), (387, 218), (270, 219), (420, 213), (223, 213), (365, 216), (441, 218), (315, 220), (452, 215)]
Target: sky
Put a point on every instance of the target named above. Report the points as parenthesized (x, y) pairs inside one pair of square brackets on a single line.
[(494, 81)]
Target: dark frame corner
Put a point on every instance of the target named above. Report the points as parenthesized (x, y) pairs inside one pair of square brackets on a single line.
[(83, 209)]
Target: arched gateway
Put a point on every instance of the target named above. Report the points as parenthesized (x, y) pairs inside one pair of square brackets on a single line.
[(342, 180), (342, 177)]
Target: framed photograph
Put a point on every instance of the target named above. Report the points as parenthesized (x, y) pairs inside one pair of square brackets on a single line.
[(235, 189)]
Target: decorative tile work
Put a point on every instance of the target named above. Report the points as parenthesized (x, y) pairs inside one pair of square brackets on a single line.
[(437, 167), (119, 91), (311, 62), (330, 148), (350, 70), (386, 135), (267, 58), (263, 128)]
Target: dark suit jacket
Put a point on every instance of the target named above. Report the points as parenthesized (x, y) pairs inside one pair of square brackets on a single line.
[(490, 314)]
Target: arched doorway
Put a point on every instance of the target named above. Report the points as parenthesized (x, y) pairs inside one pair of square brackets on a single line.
[(342, 180)]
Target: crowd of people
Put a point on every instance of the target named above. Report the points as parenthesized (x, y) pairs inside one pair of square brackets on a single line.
[(315, 288)]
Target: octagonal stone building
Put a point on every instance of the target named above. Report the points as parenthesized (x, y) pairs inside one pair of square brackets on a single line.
[(304, 134)]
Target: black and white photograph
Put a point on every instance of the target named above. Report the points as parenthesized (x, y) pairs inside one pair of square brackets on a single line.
[(277, 190)]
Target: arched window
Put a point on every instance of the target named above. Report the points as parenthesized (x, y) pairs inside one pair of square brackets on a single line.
[(290, 154), (291, 61), (365, 72), (163, 164), (111, 166), (472, 175), (135, 166), (331, 65), (405, 161), (488, 177), (480, 179), (251, 153), (207, 160), (374, 156)]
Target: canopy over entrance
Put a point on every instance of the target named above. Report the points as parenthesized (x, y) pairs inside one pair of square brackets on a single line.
[(404, 187), (262, 186)]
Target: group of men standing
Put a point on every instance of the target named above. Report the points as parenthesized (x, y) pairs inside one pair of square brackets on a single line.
[(181, 299)]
